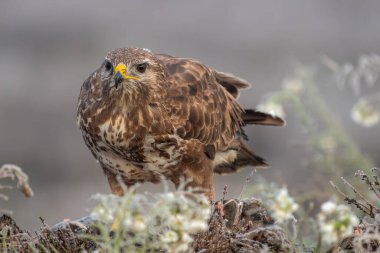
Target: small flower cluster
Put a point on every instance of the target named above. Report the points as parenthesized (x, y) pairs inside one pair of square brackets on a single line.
[(182, 218), (282, 205), (293, 85), (165, 221), (367, 71), (336, 221), (365, 113)]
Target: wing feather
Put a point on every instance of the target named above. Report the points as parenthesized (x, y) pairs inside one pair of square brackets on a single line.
[(199, 107), (231, 83)]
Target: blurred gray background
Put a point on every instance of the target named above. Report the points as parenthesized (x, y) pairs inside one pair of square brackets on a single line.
[(47, 49)]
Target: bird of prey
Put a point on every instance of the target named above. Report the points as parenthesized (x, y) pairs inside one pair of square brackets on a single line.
[(148, 116)]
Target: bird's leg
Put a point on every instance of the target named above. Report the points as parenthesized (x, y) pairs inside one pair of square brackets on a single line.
[(115, 185), (176, 181), (202, 176)]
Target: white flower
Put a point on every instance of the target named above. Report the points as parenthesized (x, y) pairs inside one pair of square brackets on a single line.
[(293, 85), (283, 206), (206, 212), (336, 221), (138, 223), (186, 238), (328, 207), (196, 226), (103, 214), (177, 220), (127, 222), (169, 196), (97, 214), (272, 108), (176, 244), (170, 237), (184, 247), (365, 114)]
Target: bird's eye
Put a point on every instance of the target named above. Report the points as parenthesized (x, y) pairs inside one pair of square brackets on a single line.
[(108, 66), (141, 67)]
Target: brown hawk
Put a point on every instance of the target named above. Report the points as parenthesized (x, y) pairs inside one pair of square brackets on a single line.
[(146, 116)]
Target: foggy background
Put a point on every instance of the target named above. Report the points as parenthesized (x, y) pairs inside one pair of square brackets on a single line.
[(48, 48)]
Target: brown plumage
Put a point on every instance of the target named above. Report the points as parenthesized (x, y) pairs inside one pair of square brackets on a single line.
[(145, 116)]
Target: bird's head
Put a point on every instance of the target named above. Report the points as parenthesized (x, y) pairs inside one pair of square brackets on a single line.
[(130, 71), (126, 78), (126, 74)]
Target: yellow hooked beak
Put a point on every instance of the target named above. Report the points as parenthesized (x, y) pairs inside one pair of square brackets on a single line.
[(121, 73)]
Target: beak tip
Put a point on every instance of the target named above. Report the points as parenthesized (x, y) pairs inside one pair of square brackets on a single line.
[(118, 78)]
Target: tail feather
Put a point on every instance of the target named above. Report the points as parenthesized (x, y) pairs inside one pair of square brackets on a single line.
[(261, 118), (237, 157), (233, 85)]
